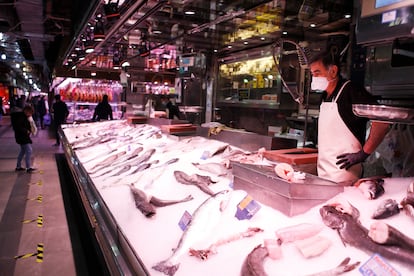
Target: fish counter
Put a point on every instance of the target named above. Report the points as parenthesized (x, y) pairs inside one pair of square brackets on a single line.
[(166, 205)]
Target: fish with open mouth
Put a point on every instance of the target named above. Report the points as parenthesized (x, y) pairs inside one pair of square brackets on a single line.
[(372, 187), (353, 233), (204, 219), (145, 202), (201, 181)]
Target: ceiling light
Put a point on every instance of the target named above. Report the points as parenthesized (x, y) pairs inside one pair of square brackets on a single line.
[(347, 16), (189, 12), (93, 74), (284, 33), (17, 65), (3, 56), (245, 42), (99, 31), (125, 64), (312, 25), (229, 46), (262, 38)]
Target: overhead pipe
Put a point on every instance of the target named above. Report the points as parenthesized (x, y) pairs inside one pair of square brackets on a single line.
[(91, 11), (137, 5)]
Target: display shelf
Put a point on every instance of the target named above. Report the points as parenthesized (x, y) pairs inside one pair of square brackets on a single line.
[(119, 256), (131, 242)]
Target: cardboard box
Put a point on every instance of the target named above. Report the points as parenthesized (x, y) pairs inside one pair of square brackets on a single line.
[(291, 198)]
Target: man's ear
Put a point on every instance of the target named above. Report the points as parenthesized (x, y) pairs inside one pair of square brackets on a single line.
[(334, 71)]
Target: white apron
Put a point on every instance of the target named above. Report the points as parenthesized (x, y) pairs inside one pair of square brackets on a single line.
[(334, 138)]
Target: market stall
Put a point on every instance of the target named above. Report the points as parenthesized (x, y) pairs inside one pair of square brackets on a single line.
[(124, 171)]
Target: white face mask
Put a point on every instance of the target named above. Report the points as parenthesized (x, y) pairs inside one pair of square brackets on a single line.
[(319, 83)]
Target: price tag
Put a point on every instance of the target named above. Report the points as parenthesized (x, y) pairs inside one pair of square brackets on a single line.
[(185, 220), (247, 208), (376, 265)]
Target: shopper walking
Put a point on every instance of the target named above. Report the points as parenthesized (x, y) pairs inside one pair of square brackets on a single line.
[(103, 111), (1, 109), (41, 108), (22, 132), (60, 114)]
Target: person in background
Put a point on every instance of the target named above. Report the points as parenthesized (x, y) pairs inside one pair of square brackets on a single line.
[(60, 114), (41, 108), (172, 110), (342, 147), (103, 111), (22, 131), (1, 109)]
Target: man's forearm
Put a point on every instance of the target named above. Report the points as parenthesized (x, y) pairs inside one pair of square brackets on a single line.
[(376, 135)]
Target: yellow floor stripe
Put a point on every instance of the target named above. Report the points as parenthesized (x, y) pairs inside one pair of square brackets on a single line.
[(38, 254)]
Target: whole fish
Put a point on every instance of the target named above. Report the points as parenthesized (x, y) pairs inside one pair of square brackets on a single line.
[(145, 202), (204, 219), (253, 264), (145, 156), (353, 233), (142, 201), (386, 208), (200, 181), (214, 168), (129, 156), (107, 161)]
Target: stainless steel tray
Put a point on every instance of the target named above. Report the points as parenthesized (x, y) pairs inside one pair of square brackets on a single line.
[(385, 113)]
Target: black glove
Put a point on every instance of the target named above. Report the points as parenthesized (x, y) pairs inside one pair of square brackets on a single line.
[(347, 160)]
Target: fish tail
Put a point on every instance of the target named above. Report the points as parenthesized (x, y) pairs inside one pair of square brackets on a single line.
[(166, 268)]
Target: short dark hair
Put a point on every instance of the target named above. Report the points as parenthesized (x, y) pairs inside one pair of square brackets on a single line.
[(327, 58), (57, 97)]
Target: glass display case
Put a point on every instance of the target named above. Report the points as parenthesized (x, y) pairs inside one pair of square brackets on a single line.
[(251, 82)]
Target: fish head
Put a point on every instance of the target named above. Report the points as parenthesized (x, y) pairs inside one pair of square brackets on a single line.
[(224, 197), (332, 217)]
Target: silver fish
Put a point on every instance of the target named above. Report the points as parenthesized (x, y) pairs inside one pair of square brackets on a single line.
[(107, 161), (204, 219), (386, 208), (253, 264)]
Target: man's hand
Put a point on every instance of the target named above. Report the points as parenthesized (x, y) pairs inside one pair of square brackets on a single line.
[(347, 160)]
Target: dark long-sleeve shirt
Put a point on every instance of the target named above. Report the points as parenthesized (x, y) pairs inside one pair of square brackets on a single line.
[(21, 127), (103, 111)]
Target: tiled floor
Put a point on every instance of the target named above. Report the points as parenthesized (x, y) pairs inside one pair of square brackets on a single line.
[(32, 211)]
